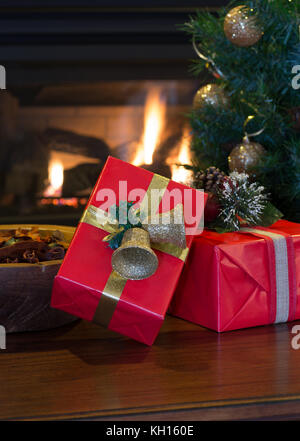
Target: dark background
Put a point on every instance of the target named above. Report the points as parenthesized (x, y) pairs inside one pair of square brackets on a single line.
[(51, 41)]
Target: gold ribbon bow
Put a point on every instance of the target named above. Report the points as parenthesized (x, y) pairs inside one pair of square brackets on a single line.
[(135, 259)]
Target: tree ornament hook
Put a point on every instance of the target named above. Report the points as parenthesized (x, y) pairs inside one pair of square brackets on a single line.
[(207, 59)]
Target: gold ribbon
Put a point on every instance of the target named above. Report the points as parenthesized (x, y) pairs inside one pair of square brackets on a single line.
[(105, 221), (100, 219), (109, 299)]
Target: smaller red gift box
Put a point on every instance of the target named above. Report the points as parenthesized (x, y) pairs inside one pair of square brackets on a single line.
[(242, 279), (87, 287)]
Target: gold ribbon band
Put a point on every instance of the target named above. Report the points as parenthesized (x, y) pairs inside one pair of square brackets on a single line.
[(100, 219), (109, 299), (172, 249), (150, 203)]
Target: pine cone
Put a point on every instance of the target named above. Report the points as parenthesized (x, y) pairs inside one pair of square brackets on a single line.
[(208, 179)]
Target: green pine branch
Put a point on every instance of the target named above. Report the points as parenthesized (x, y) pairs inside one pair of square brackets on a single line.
[(257, 81)]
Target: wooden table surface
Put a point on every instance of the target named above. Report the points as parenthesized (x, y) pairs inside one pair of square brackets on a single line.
[(82, 371)]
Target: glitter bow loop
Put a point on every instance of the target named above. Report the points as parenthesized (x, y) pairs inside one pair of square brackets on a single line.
[(135, 259), (167, 227)]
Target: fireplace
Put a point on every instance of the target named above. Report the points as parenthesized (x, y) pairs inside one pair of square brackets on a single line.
[(86, 80)]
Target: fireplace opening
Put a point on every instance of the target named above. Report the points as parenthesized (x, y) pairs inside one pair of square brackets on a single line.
[(86, 80), (53, 150)]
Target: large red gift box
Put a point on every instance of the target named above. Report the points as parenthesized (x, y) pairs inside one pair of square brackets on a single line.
[(87, 287), (243, 279)]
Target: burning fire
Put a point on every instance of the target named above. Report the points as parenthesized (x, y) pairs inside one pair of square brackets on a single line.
[(154, 120), (154, 123), (60, 161), (179, 173), (56, 179)]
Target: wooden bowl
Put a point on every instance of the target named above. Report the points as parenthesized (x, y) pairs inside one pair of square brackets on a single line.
[(25, 290)]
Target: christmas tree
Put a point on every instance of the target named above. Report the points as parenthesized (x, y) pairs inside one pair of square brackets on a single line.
[(252, 51)]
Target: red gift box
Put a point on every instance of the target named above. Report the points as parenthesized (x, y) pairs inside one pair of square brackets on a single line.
[(243, 279), (87, 287)]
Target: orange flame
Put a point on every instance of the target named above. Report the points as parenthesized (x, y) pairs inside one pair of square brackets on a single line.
[(154, 121), (56, 178), (181, 174)]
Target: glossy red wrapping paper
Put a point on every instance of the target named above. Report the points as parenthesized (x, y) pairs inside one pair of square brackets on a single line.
[(87, 266), (225, 284)]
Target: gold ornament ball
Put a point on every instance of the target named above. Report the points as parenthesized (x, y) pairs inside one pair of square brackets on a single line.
[(210, 94), (241, 28), (245, 156)]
